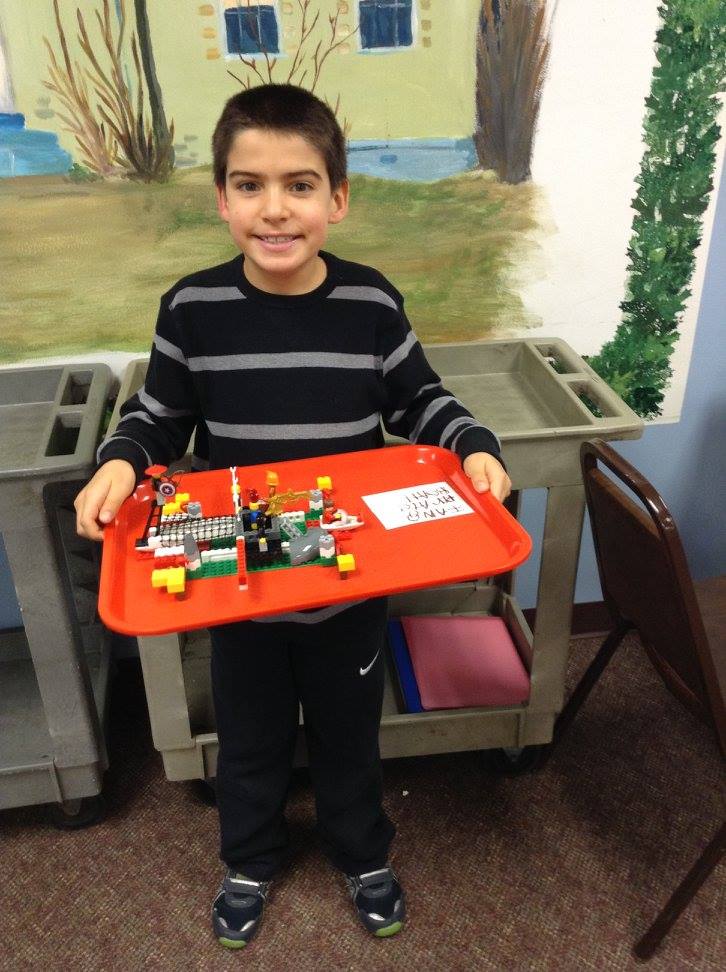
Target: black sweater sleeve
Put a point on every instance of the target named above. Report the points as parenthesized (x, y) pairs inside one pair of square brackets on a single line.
[(418, 407), (157, 422)]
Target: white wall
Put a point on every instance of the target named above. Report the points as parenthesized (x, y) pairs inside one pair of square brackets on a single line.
[(586, 157), (685, 461)]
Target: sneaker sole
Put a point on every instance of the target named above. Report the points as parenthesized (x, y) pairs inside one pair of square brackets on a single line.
[(389, 930)]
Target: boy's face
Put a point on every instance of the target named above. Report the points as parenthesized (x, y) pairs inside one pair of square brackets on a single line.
[(278, 202)]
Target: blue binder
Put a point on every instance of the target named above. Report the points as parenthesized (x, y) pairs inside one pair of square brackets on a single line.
[(403, 666)]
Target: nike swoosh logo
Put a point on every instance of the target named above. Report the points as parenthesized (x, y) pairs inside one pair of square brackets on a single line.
[(364, 671)]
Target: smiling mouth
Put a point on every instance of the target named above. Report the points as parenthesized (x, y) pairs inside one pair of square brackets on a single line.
[(277, 239)]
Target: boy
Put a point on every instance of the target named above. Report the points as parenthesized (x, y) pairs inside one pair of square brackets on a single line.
[(287, 352)]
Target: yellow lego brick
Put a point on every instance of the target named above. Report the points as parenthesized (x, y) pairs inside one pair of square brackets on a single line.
[(158, 577), (182, 497), (272, 478), (172, 578), (168, 509), (346, 563), (176, 580), (325, 482)]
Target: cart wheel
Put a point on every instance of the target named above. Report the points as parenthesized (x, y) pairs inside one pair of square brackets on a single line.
[(75, 814), (516, 762), (205, 791)]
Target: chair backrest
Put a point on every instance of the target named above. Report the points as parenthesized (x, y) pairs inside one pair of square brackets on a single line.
[(646, 581)]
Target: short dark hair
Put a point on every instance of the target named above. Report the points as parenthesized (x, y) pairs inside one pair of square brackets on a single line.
[(280, 108)]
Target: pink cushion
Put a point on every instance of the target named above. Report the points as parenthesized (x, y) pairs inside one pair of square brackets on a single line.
[(465, 662)]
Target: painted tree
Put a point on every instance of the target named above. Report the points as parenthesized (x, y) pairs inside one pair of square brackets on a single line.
[(675, 181), (313, 46), (162, 135), (105, 111), (512, 51)]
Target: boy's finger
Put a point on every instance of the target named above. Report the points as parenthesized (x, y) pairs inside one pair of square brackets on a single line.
[(80, 504), (113, 500), (90, 501), (500, 485), (480, 482), (479, 475), (87, 513)]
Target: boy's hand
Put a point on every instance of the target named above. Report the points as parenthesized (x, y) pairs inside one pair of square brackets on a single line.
[(487, 473), (99, 500)]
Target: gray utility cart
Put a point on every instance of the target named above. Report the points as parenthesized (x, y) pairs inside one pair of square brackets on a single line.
[(54, 672), (543, 400)]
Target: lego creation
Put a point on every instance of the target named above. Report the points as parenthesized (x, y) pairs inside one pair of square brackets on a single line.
[(258, 532), (197, 549)]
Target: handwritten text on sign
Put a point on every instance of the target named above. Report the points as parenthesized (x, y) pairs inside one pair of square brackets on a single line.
[(416, 504)]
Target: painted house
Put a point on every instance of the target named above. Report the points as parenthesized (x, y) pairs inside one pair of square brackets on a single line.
[(403, 71)]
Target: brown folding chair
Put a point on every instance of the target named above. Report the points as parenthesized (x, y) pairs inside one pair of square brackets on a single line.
[(647, 587)]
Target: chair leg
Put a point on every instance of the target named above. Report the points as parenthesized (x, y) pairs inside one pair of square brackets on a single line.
[(585, 685), (681, 897)]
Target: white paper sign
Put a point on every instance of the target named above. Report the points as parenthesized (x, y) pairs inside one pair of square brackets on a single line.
[(416, 504)]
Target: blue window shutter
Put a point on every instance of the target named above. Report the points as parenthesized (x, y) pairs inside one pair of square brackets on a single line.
[(368, 25), (385, 23), (269, 29), (404, 36), (251, 30)]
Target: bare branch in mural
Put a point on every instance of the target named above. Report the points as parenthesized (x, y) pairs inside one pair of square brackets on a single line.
[(305, 32), (321, 55), (135, 146), (308, 60), (512, 52)]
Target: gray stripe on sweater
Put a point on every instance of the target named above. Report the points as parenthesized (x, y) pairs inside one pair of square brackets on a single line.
[(111, 438), (428, 413), (170, 350), (453, 426), (159, 409), (362, 293), (397, 416), (312, 430), (189, 294), (400, 354), (291, 359)]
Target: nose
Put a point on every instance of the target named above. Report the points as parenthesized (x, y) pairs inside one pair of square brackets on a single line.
[(274, 205)]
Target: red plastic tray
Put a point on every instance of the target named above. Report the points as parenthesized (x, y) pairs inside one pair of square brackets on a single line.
[(487, 542)]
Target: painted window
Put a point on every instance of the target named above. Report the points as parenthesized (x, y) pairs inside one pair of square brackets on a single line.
[(251, 28), (385, 23)]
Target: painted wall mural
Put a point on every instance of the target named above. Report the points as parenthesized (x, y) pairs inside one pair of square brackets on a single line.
[(518, 167)]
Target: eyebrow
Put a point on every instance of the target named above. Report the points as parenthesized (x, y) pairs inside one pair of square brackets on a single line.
[(241, 173)]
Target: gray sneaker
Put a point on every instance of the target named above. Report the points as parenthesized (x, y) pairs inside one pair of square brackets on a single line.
[(378, 900), (237, 909)]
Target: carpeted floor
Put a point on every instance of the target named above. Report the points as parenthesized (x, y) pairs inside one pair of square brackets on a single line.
[(558, 870)]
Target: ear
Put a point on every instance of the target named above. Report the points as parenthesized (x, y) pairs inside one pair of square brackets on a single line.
[(222, 206), (339, 202)]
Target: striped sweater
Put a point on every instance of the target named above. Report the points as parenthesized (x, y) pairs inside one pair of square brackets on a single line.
[(258, 377)]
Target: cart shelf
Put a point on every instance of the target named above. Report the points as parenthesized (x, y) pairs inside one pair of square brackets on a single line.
[(53, 679)]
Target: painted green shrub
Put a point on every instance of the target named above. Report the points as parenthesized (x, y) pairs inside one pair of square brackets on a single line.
[(675, 180)]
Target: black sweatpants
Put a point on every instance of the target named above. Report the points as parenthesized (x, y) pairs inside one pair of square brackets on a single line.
[(260, 671)]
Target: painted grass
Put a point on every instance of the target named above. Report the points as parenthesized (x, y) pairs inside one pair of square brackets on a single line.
[(82, 266)]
